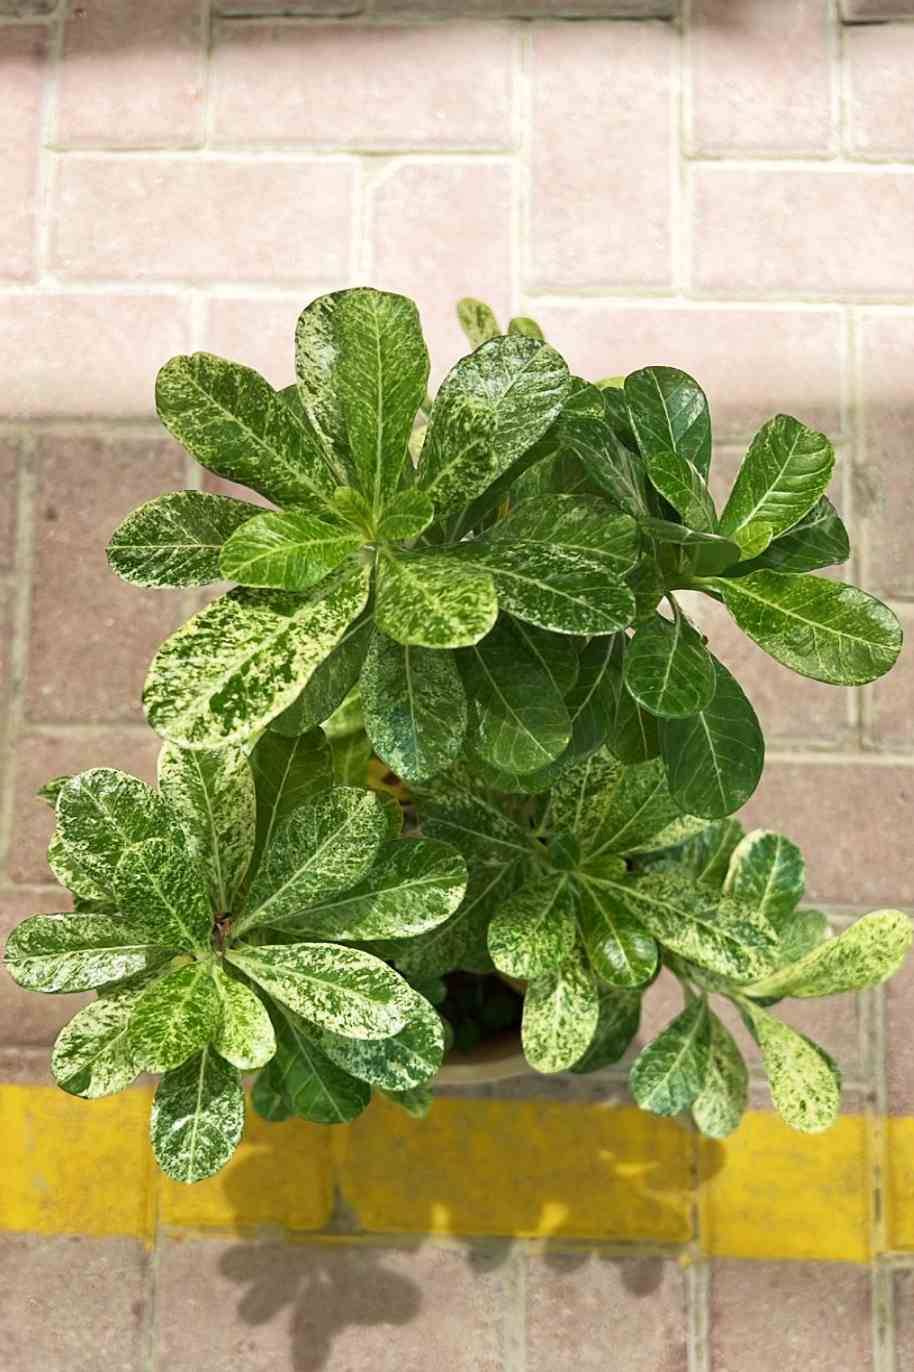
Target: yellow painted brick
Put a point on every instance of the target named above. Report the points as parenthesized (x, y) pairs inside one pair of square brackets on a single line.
[(770, 1192), (529, 1168), (900, 1134)]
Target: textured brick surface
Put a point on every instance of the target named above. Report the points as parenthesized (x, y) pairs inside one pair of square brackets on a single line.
[(585, 194), (72, 1304), (797, 1317), (9, 461), (381, 87), (137, 219), (904, 1315), (899, 996), (323, 1306), (877, 9), (26, 1018), (22, 63), (761, 79), (889, 719), (80, 609), (886, 475), (598, 1306), (879, 59), (443, 9), (155, 75), (260, 333)]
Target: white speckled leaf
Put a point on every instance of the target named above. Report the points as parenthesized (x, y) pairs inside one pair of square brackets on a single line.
[(174, 1017), (669, 412), (706, 857), (591, 701), (233, 422), (636, 812), (714, 758), (415, 707), (580, 798), (329, 684), (245, 1036), (670, 1073), (866, 954), (560, 1016), (212, 793), (477, 320), (343, 989), (708, 553), (523, 325), (620, 949), (434, 602), (463, 812), (720, 1106), (556, 654), (398, 1063), (582, 524), (100, 813), (91, 1055), (805, 1082), (682, 485), (55, 953), (163, 892), (291, 551), (197, 1117), (287, 773), (667, 668), (617, 1025), (534, 932), (767, 872), (753, 539), (798, 934), (312, 1085), (405, 516), (72, 876), (316, 358), (243, 659), (819, 539), (176, 539), (785, 471)]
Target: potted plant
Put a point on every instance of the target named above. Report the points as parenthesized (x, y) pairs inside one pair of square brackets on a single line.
[(471, 602)]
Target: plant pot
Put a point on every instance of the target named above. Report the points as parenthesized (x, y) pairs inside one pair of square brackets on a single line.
[(495, 1059)]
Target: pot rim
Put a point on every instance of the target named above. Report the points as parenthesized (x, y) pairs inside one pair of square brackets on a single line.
[(495, 1059)]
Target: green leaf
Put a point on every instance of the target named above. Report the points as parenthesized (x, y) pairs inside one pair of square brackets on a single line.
[(338, 988), (72, 876), (621, 951), (55, 953), (174, 1017), (406, 516), (291, 551), (417, 1102), (522, 325), (805, 1082), (381, 375), (667, 668), (670, 1073), (101, 813), (434, 602), (463, 812), (325, 845), (714, 759), (554, 654), (316, 366), (233, 422), (352, 507), (312, 1085), (634, 812), (165, 894), (722, 1103), (753, 539), (245, 1036), (709, 553), (398, 1063), (287, 772), (567, 591), (582, 524), (617, 1025), (706, 856), (595, 429), (415, 707), (243, 659), (682, 485), (799, 934), (329, 684), (767, 873), (784, 473), (212, 793), (560, 1017), (91, 1055), (522, 722), (197, 1117), (176, 539), (267, 1095), (819, 539), (866, 954), (534, 932), (591, 700), (669, 413), (822, 629), (477, 321), (351, 755), (51, 789)]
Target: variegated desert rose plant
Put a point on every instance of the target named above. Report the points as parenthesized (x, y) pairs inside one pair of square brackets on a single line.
[(472, 602)]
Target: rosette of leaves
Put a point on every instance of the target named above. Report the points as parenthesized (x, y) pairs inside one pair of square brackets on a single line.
[(217, 920), (584, 893)]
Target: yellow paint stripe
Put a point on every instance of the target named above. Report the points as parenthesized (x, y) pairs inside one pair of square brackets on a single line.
[(537, 1169)]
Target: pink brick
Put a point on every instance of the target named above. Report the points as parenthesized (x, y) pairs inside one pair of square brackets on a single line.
[(877, 9), (904, 1318), (442, 231), (761, 77), (757, 231), (596, 1306), (9, 462), (899, 994), (23, 53), (93, 636), (28, 1019), (752, 362), (132, 75), (120, 342), (42, 756), (260, 332), (795, 1316), (372, 87), (879, 59), (890, 720), (885, 486), (438, 9), (202, 220), (598, 217), (849, 818)]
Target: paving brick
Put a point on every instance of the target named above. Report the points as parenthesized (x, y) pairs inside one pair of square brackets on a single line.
[(889, 720), (9, 463), (885, 484), (877, 9), (92, 635), (26, 1067), (153, 57), (752, 363), (23, 54), (756, 231), (42, 756), (904, 1319), (878, 62), (585, 195), (761, 77), (26, 1018), (846, 818), (260, 332), (899, 1001), (338, 1308), (72, 1304), (442, 9), (374, 87), (27, 9), (120, 341), (797, 1317), (427, 246), (596, 1306), (200, 220)]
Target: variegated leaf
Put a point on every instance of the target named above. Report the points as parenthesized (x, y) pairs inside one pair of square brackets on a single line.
[(311, 1084), (682, 485), (398, 1063), (621, 951), (802, 931), (174, 1017), (667, 668), (708, 554), (617, 1025), (784, 473), (267, 1095), (477, 321), (78, 952), (176, 539), (100, 813), (434, 602), (767, 873), (328, 685), (465, 814), (415, 707), (576, 524), (866, 954), (555, 654), (197, 1117), (245, 1036), (522, 325), (316, 359), (212, 793), (417, 1101), (287, 772), (560, 1017), (291, 551), (636, 812), (580, 798), (162, 892), (533, 933), (405, 516), (669, 412), (819, 539), (805, 1082), (722, 1102), (670, 1073), (706, 856), (714, 759), (73, 877), (91, 1055), (243, 659), (592, 698)]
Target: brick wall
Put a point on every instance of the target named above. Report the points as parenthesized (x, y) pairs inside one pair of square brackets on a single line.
[(730, 190)]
